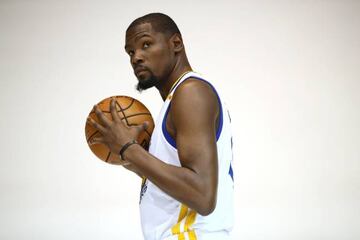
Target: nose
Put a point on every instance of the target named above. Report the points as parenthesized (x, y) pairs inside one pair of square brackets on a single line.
[(137, 58)]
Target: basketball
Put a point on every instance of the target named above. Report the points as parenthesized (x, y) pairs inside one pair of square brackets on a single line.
[(132, 112)]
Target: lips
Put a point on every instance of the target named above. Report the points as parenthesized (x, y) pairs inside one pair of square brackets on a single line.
[(139, 70)]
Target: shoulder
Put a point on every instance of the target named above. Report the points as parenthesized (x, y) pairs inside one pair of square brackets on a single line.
[(195, 91), (194, 101)]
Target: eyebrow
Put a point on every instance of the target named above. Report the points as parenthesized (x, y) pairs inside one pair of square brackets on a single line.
[(140, 35)]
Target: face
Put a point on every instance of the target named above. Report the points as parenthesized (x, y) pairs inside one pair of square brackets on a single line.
[(150, 55)]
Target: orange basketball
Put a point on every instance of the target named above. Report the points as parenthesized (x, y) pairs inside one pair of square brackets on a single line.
[(132, 112)]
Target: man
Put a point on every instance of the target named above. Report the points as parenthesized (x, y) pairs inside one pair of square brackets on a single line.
[(187, 190)]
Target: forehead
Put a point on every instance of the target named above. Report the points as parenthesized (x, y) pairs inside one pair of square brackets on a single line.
[(140, 30)]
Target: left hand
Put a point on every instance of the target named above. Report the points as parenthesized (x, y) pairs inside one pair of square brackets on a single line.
[(115, 133)]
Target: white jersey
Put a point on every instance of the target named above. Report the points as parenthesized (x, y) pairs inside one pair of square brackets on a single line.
[(163, 217)]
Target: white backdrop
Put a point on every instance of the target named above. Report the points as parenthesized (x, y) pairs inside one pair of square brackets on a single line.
[(289, 71)]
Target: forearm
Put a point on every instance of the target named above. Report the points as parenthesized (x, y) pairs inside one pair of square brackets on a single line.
[(181, 183)]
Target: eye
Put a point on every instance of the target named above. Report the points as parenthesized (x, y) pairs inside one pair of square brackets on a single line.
[(146, 45), (131, 53)]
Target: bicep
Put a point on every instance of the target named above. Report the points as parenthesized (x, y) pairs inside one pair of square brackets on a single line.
[(194, 112)]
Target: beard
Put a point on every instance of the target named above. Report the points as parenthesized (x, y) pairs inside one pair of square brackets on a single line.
[(146, 83)]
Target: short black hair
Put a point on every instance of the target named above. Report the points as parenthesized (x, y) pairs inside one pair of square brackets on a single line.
[(160, 23)]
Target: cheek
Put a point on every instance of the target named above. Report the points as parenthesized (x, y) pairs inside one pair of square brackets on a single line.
[(161, 62)]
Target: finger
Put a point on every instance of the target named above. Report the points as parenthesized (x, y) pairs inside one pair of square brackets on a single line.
[(114, 113), (96, 140), (101, 116), (96, 125), (142, 127)]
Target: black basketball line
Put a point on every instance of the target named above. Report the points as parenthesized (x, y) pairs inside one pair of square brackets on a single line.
[(92, 135), (148, 133), (132, 102), (108, 156), (134, 115), (123, 113)]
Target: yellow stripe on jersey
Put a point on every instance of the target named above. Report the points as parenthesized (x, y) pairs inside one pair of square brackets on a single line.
[(190, 220), (143, 179), (192, 235), (189, 216), (181, 236), (183, 212)]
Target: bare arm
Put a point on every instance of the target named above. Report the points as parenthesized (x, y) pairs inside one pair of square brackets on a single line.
[(192, 122)]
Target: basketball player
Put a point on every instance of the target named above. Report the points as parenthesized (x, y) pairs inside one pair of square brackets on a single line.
[(187, 189)]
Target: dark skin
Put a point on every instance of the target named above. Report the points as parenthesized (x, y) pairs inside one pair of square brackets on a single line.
[(192, 122)]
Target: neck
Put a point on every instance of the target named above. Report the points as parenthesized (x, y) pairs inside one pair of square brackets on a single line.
[(175, 74)]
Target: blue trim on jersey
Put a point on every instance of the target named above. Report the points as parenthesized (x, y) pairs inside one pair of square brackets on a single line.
[(164, 130), (231, 173), (167, 135)]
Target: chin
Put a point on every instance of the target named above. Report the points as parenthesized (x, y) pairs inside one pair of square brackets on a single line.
[(146, 82), (143, 78)]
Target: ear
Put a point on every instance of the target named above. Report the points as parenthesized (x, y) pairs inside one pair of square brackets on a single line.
[(177, 43)]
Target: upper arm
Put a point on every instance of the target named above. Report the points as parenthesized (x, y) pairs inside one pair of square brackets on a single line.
[(194, 112)]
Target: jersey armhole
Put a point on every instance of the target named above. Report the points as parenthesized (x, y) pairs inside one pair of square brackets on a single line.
[(167, 135)]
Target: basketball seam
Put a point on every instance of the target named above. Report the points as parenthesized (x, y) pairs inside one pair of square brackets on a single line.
[(132, 102), (134, 115), (92, 135), (122, 111), (108, 156)]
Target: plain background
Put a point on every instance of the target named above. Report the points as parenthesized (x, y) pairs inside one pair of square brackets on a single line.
[(288, 70)]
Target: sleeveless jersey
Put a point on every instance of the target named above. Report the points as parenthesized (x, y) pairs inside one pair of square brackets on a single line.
[(163, 217)]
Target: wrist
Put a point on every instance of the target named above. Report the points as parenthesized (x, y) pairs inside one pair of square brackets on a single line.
[(125, 147), (129, 153)]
